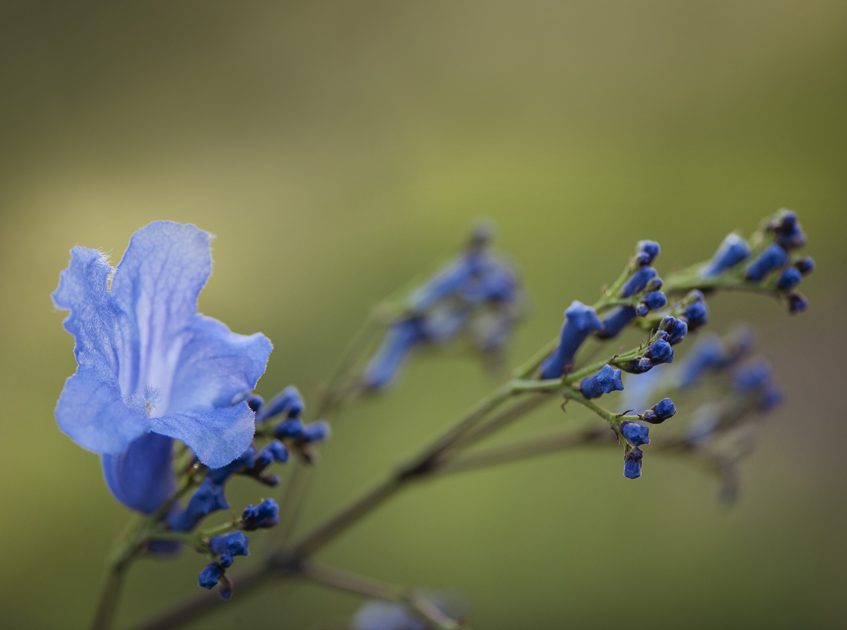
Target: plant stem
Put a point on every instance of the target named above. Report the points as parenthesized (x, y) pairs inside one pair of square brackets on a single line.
[(109, 597)]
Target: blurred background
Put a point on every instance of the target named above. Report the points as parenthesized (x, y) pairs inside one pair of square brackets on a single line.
[(339, 149)]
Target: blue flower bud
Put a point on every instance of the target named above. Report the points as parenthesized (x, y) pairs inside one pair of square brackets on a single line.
[(638, 281), (632, 464), (646, 252), (220, 475), (659, 351), (605, 381), (315, 432), (805, 265), (696, 315), (655, 300), (732, 251), (401, 337), (707, 355), (636, 434), (654, 285), (642, 310), (676, 329), (789, 234), (773, 258), (789, 279), (637, 366), (209, 497), (616, 321), (234, 544), (289, 402), (210, 576), (291, 429), (659, 412), (264, 515), (255, 402), (756, 379), (797, 303), (580, 321)]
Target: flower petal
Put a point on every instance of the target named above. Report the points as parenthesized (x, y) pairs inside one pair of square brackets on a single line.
[(156, 286), (141, 477), (217, 365), (93, 414), (217, 436), (93, 319)]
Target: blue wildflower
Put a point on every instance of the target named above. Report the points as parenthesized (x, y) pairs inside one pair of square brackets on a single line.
[(805, 265), (646, 252), (696, 314), (787, 230), (797, 303), (580, 321), (315, 432), (632, 464), (288, 402), (264, 515), (676, 329), (732, 251), (660, 351), (637, 366), (401, 337), (636, 434), (756, 379), (291, 429), (638, 281), (789, 279), (234, 544), (773, 258), (606, 380), (659, 412), (707, 355), (655, 300), (208, 498), (245, 460), (210, 575), (150, 368), (616, 321)]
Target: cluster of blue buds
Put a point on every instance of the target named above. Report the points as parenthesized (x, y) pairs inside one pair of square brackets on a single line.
[(289, 433), (478, 293), (771, 266)]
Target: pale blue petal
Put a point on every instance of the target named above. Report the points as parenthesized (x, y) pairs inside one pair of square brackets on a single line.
[(217, 366), (141, 477), (93, 414), (217, 436), (93, 319), (156, 286)]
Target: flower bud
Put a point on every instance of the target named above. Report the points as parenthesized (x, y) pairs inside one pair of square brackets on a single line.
[(605, 381)]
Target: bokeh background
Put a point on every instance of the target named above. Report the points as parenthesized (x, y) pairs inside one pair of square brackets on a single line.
[(338, 149)]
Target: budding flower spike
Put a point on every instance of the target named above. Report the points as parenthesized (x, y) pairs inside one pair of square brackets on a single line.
[(166, 396)]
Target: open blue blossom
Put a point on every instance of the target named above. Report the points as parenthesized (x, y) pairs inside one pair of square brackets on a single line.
[(773, 258), (150, 368), (732, 251), (580, 322), (606, 380)]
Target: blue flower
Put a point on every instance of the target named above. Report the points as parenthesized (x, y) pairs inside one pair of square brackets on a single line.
[(707, 355), (234, 544), (580, 322), (401, 338), (638, 281), (756, 380), (606, 380), (616, 321), (787, 230), (655, 300), (696, 314), (659, 412), (288, 402), (646, 252), (732, 251), (264, 515), (797, 303), (636, 434), (150, 368), (210, 575), (208, 498), (805, 265), (632, 464), (773, 258), (660, 351), (676, 329), (789, 279)]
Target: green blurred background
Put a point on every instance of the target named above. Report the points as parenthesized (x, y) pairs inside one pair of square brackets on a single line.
[(337, 149)]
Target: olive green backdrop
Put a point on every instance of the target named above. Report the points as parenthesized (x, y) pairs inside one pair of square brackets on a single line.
[(337, 149)]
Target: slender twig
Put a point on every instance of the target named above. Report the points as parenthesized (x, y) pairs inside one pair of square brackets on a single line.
[(109, 597)]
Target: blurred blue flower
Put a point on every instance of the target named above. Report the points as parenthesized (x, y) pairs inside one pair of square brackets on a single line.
[(580, 322), (150, 368), (732, 251), (774, 257)]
